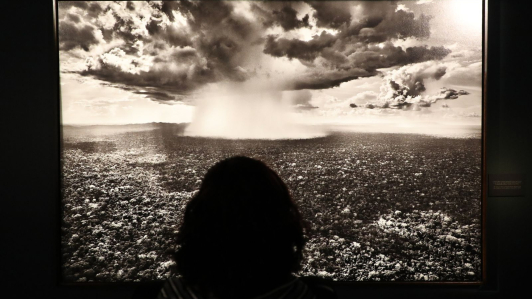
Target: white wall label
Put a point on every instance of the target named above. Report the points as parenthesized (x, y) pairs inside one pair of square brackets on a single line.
[(506, 185)]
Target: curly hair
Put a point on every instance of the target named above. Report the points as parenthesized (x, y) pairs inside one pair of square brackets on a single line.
[(241, 229)]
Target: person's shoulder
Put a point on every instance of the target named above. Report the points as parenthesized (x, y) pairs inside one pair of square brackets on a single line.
[(175, 288), (320, 287), (302, 288), (299, 287)]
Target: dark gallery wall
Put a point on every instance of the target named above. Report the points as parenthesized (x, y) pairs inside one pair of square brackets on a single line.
[(30, 172)]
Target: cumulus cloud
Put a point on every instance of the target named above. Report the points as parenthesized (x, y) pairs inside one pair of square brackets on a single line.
[(176, 48), (362, 98), (464, 74), (404, 88), (408, 82), (450, 94)]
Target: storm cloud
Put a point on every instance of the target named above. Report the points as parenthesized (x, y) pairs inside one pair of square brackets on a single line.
[(176, 48), (331, 14), (284, 14), (295, 48), (363, 41)]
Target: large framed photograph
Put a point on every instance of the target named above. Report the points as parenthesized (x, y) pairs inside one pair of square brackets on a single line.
[(370, 111)]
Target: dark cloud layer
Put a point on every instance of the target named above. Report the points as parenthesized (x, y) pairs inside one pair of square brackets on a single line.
[(295, 48), (287, 18), (156, 95), (329, 79), (364, 43), (219, 42), (342, 68), (279, 13), (331, 14), (380, 21), (284, 14), (164, 78)]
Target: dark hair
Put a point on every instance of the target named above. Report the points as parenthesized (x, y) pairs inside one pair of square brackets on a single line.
[(240, 230)]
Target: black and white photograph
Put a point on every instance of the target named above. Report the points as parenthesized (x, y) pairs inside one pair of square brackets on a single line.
[(369, 111)]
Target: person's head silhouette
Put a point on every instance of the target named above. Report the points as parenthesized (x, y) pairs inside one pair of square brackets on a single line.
[(241, 234)]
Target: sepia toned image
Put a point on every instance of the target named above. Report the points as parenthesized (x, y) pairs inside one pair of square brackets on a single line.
[(370, 111)]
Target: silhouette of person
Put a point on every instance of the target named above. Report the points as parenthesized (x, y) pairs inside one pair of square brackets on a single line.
[(241, 236)]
